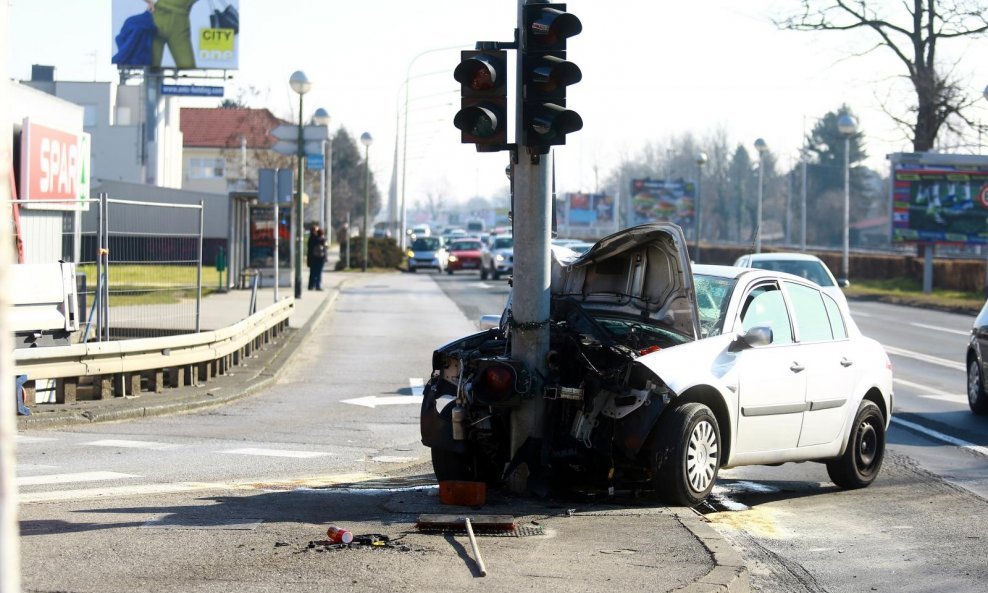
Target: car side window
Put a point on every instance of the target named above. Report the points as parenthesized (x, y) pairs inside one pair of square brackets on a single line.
[(837, 325), (764, 306), (810, 312)]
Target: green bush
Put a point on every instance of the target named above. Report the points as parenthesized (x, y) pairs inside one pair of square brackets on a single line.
[(381, 253)]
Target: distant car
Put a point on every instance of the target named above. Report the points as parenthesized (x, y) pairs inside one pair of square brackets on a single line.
[(426, 253), (804, 265), (976, 369), (497, 257), (463, 254), (421, 230), (663, 373)]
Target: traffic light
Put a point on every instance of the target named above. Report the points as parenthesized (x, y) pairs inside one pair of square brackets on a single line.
[(546, 74), (483, 115)]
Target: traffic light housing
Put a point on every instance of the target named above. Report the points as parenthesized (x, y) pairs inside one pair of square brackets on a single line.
[(545, 76), (483, 115)]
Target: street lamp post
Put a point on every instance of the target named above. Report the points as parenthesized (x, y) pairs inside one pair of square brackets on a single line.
[(762, 147), (301, 85), (322, 118), (701, 160), (366, 139), (847, 126)]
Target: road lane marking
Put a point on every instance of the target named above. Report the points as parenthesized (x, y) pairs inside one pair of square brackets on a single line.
[(941, 437), (69, 478), (311, 482), (950, 364), (21, 439), (417, 385), (928, 392), (941, 329), (131, 444), (372, 401), (276, 453)]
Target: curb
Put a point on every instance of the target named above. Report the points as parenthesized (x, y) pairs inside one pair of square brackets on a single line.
[(729, 573)]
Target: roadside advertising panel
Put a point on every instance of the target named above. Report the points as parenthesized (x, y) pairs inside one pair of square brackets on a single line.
[(55, 165), (939, 198), (589, 210), (179, 34), (658, 200)]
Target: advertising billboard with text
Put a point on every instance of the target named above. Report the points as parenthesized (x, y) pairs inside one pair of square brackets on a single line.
[(939, 198), (179, 34)]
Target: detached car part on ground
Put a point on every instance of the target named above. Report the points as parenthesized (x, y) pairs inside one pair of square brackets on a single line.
[(659, 374)]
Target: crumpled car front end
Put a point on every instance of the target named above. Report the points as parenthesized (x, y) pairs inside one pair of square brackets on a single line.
[(628, 296)]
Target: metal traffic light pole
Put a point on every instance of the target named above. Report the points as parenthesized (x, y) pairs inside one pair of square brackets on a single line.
[(531, 275)]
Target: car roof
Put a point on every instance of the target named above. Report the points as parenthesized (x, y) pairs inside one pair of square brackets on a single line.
[(782, 255)]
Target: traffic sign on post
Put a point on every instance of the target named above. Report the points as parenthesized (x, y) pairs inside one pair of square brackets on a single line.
[(287, 136)]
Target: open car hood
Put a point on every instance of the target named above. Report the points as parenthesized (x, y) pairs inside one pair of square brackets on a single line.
[(642, 272)]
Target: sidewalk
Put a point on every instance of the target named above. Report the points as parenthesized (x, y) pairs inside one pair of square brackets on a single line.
[(622, 544)]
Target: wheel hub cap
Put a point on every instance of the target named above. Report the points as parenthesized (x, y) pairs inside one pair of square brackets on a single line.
[(701, 457)]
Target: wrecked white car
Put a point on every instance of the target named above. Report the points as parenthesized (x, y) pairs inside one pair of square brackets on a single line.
[(661, 374)]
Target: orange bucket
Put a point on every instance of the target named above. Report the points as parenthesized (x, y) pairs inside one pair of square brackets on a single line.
[(463, 493)]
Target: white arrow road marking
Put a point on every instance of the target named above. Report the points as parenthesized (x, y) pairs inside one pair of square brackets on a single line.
[(372, 401), (131, 444), (277, 453), (76, 477)]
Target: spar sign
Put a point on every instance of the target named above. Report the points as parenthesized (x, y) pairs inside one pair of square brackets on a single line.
[(55, 164)]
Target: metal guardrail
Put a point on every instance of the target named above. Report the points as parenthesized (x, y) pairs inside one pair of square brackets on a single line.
[(117, 368)]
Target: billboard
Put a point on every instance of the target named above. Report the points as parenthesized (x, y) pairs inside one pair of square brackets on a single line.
[(180, 34), (939, 198), (55, 166), (589, 210), (658, 200)]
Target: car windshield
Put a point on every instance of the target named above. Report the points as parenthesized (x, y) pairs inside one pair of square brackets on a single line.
[(811, 270), (503, 243), (465, 246), (425, 244), (713, 293)]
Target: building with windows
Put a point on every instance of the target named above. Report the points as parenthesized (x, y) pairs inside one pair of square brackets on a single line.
[(224, 147)]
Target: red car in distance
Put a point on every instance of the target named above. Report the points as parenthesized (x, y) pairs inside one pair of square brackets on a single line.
[(463, 254)]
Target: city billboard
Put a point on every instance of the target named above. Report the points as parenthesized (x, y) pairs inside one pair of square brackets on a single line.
[(939, 198), (55, 166), (589, 210), (179, 34), (659, 200)]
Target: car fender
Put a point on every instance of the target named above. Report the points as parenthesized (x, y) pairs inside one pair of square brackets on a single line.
[(880, 379), (707, 364)]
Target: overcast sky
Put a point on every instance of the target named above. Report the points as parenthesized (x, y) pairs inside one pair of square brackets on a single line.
[(651, 70)]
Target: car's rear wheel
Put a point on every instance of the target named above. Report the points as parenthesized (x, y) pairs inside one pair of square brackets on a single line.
[(976, 388), (685, 454), (862, 460)]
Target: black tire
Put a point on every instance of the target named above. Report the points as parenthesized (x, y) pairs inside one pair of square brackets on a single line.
[(494, 273), (684, 454), (449, 271), (412, 270), (862, 460), (976, 388), (483, 271)]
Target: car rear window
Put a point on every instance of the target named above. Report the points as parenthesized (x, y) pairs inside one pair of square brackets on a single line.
[(503, 243), (465, 246), (811, 270)]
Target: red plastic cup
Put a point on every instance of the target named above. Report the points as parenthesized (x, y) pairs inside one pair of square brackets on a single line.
[(338, 535)]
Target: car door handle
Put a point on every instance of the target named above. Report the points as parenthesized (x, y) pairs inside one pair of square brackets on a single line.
[(797, 368), (844, 362)]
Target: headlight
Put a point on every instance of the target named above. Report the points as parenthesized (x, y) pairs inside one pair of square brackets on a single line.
[(452, 258), (410, 253), (499, 257)]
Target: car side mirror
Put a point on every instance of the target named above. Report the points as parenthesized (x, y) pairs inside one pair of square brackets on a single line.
[(489, 322), (843, 282), (757, 336)]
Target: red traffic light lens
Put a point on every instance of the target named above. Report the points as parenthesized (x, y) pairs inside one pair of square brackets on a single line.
[(497, 381), (477, 73)]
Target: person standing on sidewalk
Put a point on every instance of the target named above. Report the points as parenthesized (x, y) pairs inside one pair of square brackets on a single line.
[(316, 257)]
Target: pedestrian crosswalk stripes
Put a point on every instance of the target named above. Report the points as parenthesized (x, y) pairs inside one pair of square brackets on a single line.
[(276, 453), (131, 444), (72, 477)]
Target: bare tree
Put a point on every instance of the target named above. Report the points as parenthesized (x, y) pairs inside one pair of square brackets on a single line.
[(911, 29)]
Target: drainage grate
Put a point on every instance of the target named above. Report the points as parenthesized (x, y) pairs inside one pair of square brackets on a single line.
[(518, 531)]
